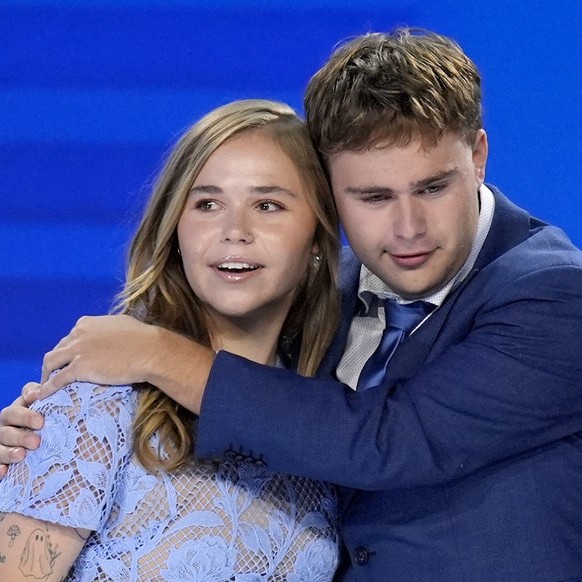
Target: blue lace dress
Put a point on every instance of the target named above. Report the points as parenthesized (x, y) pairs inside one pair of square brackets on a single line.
[(207, 522)]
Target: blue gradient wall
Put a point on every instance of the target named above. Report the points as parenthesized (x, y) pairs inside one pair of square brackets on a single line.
[(92, 95)]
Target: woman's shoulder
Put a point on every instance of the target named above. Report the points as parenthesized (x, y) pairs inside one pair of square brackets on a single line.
[(82, 397), (72, 478), (83, 412)]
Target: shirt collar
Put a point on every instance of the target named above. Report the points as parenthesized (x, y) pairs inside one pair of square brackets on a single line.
[(371, 286)]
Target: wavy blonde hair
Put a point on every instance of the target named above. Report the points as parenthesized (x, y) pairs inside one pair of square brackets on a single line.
[(157, 291)]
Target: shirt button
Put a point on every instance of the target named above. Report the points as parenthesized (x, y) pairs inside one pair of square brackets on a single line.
[(361, 556)]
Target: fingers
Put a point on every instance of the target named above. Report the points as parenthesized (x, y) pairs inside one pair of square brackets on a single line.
[(28, 396), (13, 437), (18, 415), (58, 357), (64, 352), (9, 456), (62, 377)]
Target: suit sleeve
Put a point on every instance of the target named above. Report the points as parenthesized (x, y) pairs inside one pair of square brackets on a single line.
[(511, 383)]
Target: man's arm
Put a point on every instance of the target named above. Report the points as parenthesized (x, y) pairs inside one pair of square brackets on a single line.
[(38, 550), (507, 381)]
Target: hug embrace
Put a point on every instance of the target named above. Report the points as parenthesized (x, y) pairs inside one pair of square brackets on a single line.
[(264, 407)]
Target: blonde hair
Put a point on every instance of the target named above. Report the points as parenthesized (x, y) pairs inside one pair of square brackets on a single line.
[(385, 89), (157, 291)]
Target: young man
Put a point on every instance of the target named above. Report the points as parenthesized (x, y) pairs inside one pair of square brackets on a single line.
[(463, 448)]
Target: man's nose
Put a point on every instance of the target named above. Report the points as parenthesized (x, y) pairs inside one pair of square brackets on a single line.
[(409, 219)]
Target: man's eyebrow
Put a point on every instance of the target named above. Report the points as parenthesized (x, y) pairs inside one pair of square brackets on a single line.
[(386, 191), (366, 190), (420, 184)]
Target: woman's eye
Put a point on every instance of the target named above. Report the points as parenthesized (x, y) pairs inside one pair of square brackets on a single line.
[(269, 206), (206, 204)]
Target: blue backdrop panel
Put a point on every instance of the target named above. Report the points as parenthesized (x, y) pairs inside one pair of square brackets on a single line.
[(93, 94)]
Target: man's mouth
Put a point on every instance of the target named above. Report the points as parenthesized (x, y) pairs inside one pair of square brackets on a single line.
[(411, 260)]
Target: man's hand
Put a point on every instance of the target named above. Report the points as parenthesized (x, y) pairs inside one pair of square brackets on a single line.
[(119, 349), (110, 349), (16, 424)]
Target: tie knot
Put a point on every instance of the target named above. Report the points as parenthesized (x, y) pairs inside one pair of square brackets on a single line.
[(406, 316)]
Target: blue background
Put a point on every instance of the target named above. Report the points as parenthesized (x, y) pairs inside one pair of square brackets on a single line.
[(92, 95)]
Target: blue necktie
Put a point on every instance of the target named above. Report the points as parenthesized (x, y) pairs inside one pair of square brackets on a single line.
[(401, 319)]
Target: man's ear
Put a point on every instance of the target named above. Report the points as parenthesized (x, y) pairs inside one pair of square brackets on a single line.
[(480, 152)]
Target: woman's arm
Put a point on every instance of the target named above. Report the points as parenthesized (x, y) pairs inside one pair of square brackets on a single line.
[(108, 349), (37, 550)]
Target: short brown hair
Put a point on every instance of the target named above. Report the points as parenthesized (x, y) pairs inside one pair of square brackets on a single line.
[(384, 89)]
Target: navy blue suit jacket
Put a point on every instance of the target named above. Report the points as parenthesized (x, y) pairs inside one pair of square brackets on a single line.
[(467, 465)]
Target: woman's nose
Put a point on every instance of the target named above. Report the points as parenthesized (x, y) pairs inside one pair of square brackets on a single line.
[(237, 230)]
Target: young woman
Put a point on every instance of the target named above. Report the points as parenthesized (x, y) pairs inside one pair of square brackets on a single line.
[(237, 249)]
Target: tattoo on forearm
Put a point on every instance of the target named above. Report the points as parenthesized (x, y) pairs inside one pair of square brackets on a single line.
[(39, 555), (81, 536), (13, 533), (2, 558)]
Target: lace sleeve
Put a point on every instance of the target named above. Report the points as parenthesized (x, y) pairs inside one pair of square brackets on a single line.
[(71, 478)]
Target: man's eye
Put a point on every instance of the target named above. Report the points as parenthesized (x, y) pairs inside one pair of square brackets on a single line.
[(433, 189), (375, 198)]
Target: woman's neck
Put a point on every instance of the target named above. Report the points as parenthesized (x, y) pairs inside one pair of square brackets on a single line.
[(255, 341)]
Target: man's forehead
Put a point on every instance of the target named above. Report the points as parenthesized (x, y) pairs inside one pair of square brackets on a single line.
[(412, 160)]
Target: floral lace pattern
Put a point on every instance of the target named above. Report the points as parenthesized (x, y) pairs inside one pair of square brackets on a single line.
[(207, 522)]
